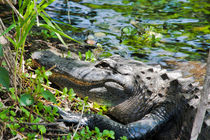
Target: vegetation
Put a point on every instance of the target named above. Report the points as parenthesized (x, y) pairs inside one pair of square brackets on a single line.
[(27, 113), (24, 109)]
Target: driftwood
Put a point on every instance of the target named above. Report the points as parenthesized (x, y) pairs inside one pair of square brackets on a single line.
[(199, 118)]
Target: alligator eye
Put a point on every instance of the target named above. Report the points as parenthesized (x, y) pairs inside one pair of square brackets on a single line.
[(103, 65), (150, 70), (164, 76)]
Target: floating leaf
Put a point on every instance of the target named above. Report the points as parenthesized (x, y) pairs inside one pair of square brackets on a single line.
[(26, 100), (4, 78), (49, 96)]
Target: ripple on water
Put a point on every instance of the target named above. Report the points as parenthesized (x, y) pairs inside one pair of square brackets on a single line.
[(185, 32)]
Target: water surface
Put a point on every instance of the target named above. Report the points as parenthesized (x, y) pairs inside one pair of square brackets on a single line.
[(148, 30)]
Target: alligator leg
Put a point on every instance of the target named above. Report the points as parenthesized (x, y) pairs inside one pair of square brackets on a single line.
[(141, 129)]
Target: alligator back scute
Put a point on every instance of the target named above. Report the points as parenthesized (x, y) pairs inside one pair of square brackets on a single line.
[(132, 89)]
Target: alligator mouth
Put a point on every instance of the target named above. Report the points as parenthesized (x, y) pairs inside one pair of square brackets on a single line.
[(78, 82), (100, 84)]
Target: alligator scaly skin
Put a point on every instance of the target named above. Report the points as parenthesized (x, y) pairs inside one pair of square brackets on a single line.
[(142, 98)]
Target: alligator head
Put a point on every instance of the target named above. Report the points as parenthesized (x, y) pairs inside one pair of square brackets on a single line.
[(128, 86)]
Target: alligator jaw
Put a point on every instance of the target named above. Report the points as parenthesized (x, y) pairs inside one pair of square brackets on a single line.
[(101, 85)]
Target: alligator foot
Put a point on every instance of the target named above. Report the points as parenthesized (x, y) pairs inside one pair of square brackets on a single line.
[(141, 129), (143, 98)]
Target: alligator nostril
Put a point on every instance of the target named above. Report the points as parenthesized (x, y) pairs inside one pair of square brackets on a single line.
[(160, 95), (142, 72), (196, 97), (148, 78), (149, 92)]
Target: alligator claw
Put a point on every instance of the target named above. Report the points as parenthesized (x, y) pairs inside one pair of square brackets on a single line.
[(143, 99), (70, 118)]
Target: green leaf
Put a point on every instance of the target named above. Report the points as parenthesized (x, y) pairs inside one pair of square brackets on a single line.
[(12, 113), (4, 114), (1, 50), (37, 120), (14, 133), (112, 134), (43, 4), (28, 28), (8, 29), (22, 129), (50, 24), (48, 109), (1, 105), (105, 133), (65, 91), (80, 55), (25, 111), (12, 90), (48, 73), (109, 134), (26, 100), (124, 138), (82, 132), (49, 96), (12, 119), (3, 63), (12, 41), (42, 129), (4, 78), (76, 137), (57, 31), (97, 130)]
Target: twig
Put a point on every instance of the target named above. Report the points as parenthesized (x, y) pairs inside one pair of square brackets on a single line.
[(20, 134), (51, 68), (11, 62), (56, 134), (45, 124), (2, 128), (17, 137), (14, 9), (83, 107), (202, 105)]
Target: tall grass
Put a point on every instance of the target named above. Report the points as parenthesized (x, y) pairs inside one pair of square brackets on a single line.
[(27, 16)]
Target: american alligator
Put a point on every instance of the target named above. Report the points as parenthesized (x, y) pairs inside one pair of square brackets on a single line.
[(144, 100)]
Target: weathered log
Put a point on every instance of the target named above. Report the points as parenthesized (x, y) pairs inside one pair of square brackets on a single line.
[(200, 115)]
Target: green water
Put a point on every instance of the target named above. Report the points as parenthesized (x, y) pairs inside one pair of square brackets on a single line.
[(148, 30)]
